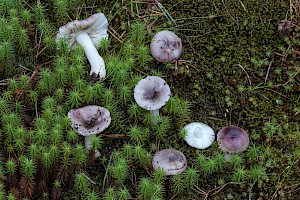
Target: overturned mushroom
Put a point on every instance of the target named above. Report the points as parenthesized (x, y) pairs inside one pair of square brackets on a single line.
[(87, 33), (166, 46), (171, 161), (151, 94), (88, 121), (199, 135)]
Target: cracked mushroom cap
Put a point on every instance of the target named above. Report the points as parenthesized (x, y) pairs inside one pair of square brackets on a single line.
[(151, 93), (232, 139), (89, 120), (171, 161), (199, 135), (166, 46), (95, 26)]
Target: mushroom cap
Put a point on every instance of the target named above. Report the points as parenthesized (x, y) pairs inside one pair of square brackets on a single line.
[(199, 135), (166, 46), (89, 120), (232, 139), (95, 26), (171, 161), (151, 93)]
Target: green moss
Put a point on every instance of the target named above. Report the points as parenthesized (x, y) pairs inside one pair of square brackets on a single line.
[(235, 69)]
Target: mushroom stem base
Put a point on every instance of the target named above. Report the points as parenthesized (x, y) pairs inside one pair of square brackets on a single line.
[(155, 115), (88, 146), (227, 157), (96, 61)]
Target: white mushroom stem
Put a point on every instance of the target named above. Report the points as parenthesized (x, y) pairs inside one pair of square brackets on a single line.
[(227, 157), (96, 61), (88, 145), (155, 115)]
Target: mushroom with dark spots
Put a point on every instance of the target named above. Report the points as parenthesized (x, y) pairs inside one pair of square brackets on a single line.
[(88, 121), (151, 94), (166, 46)]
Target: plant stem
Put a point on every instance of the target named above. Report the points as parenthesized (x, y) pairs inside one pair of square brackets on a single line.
[(106, 171)]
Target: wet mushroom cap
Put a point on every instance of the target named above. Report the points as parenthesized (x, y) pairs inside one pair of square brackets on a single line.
[(232, 139), (199, 135), (89, 120), (171, 161), (166, 46), (152, 93), (95, 26)]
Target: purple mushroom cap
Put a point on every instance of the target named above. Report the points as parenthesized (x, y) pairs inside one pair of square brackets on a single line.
[(232, 139), (166, 46), (171, 161), (89, 120), (151, 93)]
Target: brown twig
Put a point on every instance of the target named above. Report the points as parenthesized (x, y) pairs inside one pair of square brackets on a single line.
[(37, 69), (207, 33), (250, 83), (194, 51), (113, 136), (4, 82), (292, 77), (110, 32), (218, 189), (266, 78), (199, 190)]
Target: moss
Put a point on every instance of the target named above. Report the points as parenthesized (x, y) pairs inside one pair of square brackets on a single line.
[(236, 69)]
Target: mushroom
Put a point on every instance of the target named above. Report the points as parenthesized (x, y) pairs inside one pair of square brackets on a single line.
[(232, 139), (88, 121), (199, 135), (171, 161), (151, 94), (87, 33), (166, 46)]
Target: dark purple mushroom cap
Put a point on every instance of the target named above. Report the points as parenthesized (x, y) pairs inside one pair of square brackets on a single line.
[(171, 161), (166, 46), (232, 139), (89, 120), (151, 93)]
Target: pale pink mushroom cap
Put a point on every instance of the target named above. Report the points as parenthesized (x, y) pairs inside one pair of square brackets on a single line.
[(166, 46), (95, 26), (152, 93), (89, 120), (171, 161)]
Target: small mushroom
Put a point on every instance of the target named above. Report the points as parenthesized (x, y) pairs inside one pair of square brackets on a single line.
[(87, 33), (284, 25), (166, 46), (89, 120), (232, 139), (171, 161), (151, 94), (199, 135)]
